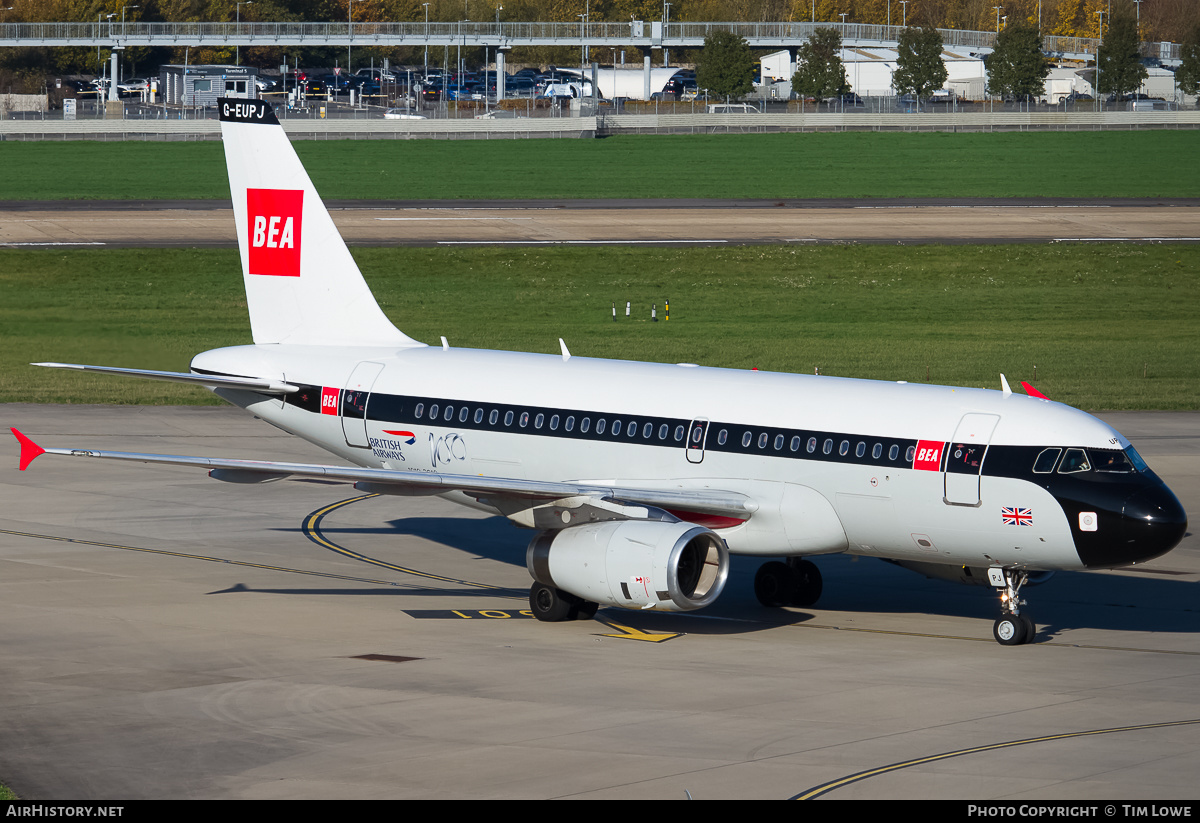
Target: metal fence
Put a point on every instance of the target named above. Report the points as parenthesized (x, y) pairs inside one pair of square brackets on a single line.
[(661, 122)]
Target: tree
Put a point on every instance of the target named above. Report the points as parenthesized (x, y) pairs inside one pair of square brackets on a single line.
[(726, 66), (919, 66), (1118, 63), (819, 69), (1188, 73), (1017, 67)]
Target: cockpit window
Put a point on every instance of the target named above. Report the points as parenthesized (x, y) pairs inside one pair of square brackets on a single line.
[(1138, 463), (1044, 464), (1112, 461), (1075, 460)]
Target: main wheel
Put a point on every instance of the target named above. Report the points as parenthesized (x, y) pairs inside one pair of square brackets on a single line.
[(1009, 630), (548, 604), (806, 582), (774, 584)]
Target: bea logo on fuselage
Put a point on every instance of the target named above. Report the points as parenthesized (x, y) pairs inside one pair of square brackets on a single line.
[(274, 221)]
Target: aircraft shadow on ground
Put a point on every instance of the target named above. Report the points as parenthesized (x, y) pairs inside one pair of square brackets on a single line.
[(1070, 600)]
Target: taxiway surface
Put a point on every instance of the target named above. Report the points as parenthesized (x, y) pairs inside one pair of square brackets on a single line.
[(164, 635), (400, 223)]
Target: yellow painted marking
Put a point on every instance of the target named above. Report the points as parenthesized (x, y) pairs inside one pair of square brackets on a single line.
[(628, 633)]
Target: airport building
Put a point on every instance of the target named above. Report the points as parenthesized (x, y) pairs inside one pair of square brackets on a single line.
[(202, 85)]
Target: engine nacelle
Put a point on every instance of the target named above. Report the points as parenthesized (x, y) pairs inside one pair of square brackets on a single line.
[(635, 564)]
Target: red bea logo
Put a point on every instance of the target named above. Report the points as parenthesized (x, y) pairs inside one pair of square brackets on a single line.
[(274, 218), (928, 456), (329, 400)]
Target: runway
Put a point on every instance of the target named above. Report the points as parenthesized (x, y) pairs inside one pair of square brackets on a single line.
[(688, 222), (169, 636)]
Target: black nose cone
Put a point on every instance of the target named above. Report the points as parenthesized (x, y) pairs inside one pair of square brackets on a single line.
[(1148, 523)]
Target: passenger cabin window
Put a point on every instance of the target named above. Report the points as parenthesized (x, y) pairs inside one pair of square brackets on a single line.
[(721, 437), (746, 438), (1074, 461), (462, 414), (569, 425), (419, 410), (493, 417), (508, 418), (1044, 464)]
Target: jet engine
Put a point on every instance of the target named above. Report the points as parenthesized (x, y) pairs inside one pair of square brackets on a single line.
[(635, 564)]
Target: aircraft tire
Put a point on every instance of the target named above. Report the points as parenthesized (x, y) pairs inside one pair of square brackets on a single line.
[(548, 604), (806, 582), (584, 610), (1009, 630), (1030, 629), (774, 584)]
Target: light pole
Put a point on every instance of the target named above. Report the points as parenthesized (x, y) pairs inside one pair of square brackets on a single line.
[(426, 5), (123, 26), (237, 54), (349, 32), (998, 10), (1099, 102), (905, 4)]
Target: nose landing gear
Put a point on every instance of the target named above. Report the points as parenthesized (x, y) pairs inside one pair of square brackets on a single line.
[(1011, 628)]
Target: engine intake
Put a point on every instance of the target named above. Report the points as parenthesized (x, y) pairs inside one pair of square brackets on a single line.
[(635, 564)]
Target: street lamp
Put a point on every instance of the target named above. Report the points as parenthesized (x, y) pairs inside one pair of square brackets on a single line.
[(123, 24), (905, 4), (237, 50), (426, 5), (1099, 102), (349, 32), (998, 10)]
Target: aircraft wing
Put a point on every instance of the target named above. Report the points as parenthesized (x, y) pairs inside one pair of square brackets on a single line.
[(249, 383), (703, 501)]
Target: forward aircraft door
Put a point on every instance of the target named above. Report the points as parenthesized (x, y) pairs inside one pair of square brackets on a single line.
[(354, 402), (964, 458)]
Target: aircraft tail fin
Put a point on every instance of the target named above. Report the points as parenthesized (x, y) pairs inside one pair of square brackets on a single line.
[(302, 285)]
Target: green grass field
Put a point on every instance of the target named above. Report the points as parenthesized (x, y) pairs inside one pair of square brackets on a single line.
[(1107, 326), (855, 164)]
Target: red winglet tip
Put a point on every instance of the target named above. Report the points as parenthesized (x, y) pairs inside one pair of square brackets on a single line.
[(29, 449), (1032, 392)]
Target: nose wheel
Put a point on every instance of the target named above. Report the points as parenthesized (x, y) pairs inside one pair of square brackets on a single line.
[(1011, 628)]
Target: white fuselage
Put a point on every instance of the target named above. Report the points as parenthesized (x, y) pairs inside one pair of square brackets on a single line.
[(850, 498)]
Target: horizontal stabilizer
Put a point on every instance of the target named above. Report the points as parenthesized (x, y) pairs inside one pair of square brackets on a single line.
[(247, 383), (29, 449)]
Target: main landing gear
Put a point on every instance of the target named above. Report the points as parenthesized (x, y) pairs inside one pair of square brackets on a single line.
[(794, 583), (1011, 628), (554, 605)]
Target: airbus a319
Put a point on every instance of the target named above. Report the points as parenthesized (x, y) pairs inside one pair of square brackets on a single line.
[(641, 479)]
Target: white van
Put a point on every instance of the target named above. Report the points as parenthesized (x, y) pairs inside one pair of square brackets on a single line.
[(732, 108)]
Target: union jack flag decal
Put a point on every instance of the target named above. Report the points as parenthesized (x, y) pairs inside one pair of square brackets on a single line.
[(1013, 516)]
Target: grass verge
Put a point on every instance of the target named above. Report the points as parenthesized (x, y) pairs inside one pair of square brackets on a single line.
[(1107, 326), (1155, 163)]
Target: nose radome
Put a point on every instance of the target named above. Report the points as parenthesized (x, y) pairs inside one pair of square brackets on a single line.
[(1153, 523)]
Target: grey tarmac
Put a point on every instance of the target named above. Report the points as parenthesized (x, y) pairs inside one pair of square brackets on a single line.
[(209, 223), (164, 635)]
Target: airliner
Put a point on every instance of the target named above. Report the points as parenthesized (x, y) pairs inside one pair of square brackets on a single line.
[(640, 480)]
